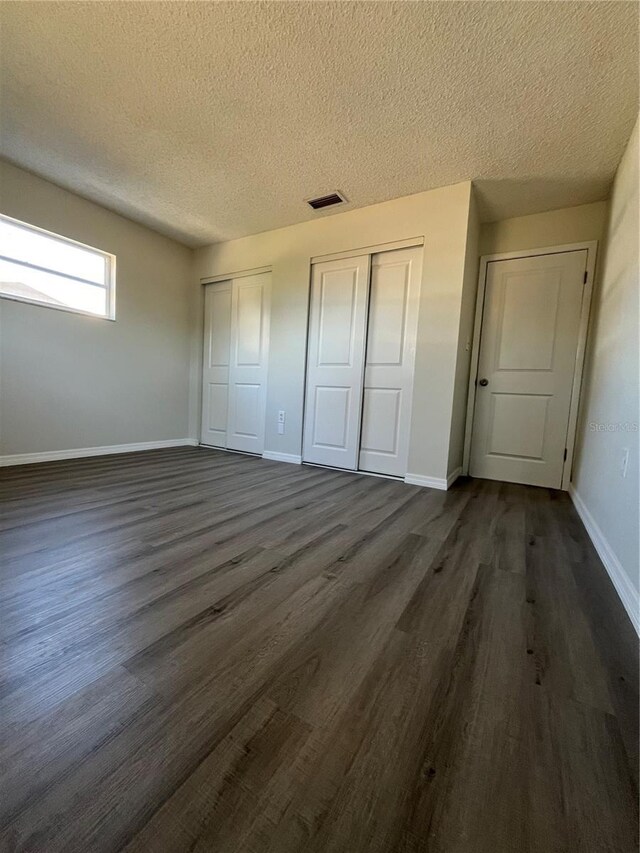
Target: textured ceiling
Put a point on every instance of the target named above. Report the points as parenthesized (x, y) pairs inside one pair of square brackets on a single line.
[(208, 121)]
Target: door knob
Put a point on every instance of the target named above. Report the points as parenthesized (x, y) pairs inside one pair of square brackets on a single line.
[(483, 382)]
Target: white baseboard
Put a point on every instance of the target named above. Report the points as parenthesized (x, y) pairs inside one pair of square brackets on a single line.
[(434, 482), (624, 587), (81, 452), (453, 476), (282, 457), (427, 482)]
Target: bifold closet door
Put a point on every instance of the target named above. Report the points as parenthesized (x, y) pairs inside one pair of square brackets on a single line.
[(215, 363), (389, 367), (250, 303), (235, 362), (335, 361)]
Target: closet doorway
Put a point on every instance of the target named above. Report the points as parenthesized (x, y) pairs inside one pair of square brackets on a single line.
[(235, 360), (360, 362)]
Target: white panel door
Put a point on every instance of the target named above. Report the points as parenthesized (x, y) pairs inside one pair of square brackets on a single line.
[(335, 361), (215, 363), (249, 354), (527, 358), (390, 357)]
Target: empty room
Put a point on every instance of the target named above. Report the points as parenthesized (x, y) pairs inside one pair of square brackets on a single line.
[(319, 405)]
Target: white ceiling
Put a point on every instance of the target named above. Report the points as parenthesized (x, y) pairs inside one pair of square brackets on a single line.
[(208, 121)]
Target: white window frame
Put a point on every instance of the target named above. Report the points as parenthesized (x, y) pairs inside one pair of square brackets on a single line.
[(110, 273)]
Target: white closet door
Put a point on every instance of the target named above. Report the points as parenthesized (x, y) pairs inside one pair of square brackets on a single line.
[(250, 306), (391, 346), (335, 362), (215, 363), (527, 358)]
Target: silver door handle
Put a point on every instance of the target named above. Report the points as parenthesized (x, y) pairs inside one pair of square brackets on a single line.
[(483, 382)]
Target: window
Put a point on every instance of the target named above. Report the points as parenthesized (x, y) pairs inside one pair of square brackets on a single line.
[(40, 267)]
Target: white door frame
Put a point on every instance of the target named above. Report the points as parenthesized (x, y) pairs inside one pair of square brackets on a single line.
[(214, 279), (409, 243), (591, 249)]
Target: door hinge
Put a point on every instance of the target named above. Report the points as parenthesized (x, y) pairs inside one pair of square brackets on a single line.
[(565, 454), (586, 275)]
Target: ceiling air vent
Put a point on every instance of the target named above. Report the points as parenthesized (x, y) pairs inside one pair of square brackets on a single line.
[(326, 201)]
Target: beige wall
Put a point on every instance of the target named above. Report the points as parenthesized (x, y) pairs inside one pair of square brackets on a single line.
[(465, 339), (69, 381), (552, 228), (442, 218), (610, 391)]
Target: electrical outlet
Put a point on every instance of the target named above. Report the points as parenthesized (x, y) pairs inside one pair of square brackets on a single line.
[(281, 416), (625, 462)]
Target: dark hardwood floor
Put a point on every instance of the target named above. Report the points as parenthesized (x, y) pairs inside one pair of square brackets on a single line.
[(209, 652)]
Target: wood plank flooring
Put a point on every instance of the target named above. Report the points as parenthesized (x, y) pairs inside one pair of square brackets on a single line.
[(209, 652)]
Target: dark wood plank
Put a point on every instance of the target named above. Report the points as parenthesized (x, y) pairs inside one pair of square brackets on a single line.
[(208, 651)]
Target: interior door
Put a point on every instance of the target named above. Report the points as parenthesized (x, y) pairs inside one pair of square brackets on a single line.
[(527, 358), (248, 363), (390, 357), (215, 363), (335, 361)]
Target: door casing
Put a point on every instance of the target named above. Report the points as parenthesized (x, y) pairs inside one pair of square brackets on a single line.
[(591, 249)]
